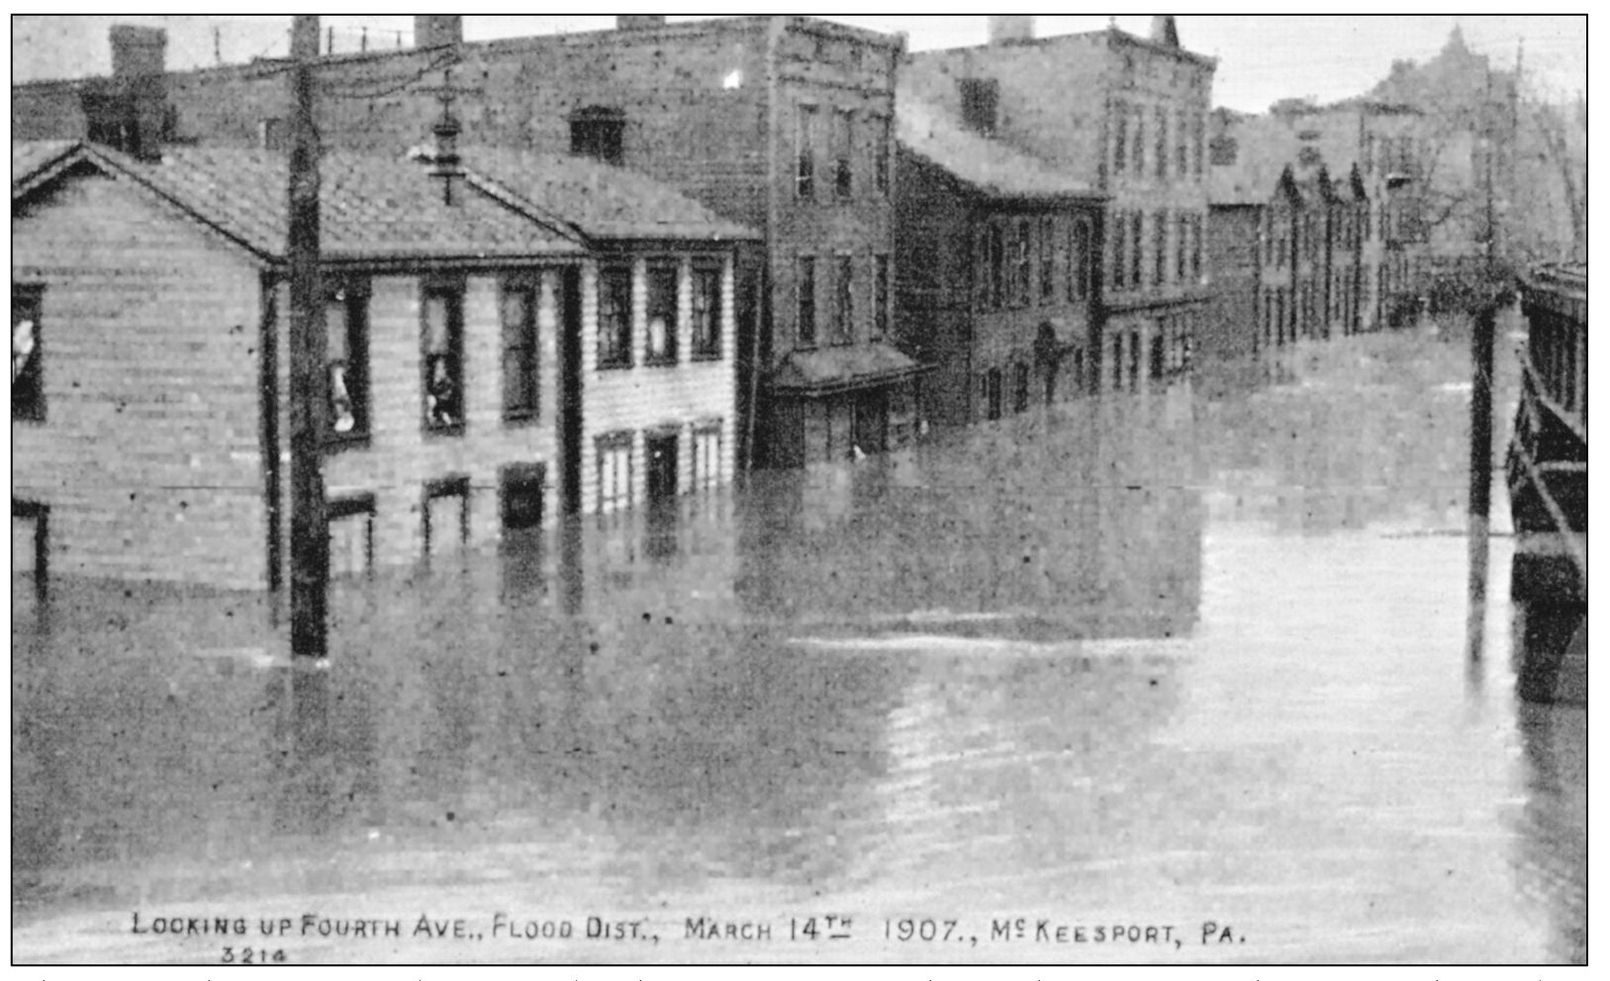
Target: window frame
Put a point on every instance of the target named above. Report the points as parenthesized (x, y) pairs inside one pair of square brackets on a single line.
[(1119, 273), (619, 334), (1022, 263), (1160, 119), (607, 443), (1160, 231), (1120, 146), (34, 409), (705, 346), (882, 150), (805, 301), (1080, 235), (1137, 221), (805, 115), (452, 291), (354, 293), (881, 295), (439, 488), (523, 342), (843, 299), (598, 133), (345, 506), (654, 273), (705, 464), (843, 139), (1048, 260)]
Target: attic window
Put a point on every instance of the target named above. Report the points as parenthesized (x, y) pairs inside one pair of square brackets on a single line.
[(980, 101), (597, 132)]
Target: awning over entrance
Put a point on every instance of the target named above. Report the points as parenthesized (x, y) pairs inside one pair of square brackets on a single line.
[(840, 369)]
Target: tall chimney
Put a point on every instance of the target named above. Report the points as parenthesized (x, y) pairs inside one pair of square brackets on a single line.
[(1165, 31), (438, 30), (138, 107), (1011, 29), (638, 22)]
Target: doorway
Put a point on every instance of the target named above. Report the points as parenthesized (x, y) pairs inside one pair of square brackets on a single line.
[(661, 451)]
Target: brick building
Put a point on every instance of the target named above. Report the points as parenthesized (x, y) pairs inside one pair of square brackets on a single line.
[(503, 333), (782, 124), (1386, 142), (1000, 259), (1127, 115)]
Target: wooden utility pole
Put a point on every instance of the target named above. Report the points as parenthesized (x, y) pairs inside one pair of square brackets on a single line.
[(1481, 395), (310, 546)]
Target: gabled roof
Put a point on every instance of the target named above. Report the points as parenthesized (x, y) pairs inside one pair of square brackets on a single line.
[(375, 207), (989, 166)]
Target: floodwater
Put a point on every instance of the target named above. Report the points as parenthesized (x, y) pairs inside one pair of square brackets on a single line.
[(1171, 676)]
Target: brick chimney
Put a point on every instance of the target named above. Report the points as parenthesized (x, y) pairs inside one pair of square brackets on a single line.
[(438, 30), (1165, 31), (638, 22), (130, 111), (1011, 29)]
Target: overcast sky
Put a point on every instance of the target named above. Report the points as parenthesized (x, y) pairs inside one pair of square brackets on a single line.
[(1261, 58)]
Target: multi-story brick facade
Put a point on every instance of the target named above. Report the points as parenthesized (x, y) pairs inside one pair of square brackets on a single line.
[(1128, 116), (1000, 258), (521, 350), (782, 124)]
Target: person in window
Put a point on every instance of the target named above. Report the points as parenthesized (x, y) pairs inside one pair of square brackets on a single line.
[(656, 338), (441, 398), (341, 414), (22, 347)]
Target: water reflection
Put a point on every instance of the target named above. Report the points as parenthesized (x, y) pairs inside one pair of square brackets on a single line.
[(1125, 649)]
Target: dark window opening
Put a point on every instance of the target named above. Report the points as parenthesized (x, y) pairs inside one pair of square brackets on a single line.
[(881, 148), (1222, 151), (346, 331), (1021, 273), (1120, 145), (1161, 121), (980, 103), (1120, 243), (598, 132), (843, 153), (706, 311), (805, 149), (880, 296), (1160, 248), (844, 301), (1048, 266), (1136, 220), (615, 317), (443, 343), (805, 299), (27, 367), (1079, 262), (992, 393), (518, 314), (520, 489), (997, 266), (662, 313), (1020, 387)]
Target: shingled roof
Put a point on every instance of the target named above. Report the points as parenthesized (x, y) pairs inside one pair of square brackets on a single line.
[(992, 167), (379, 207)]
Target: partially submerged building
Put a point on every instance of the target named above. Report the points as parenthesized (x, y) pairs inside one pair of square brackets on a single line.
[(510, 337)]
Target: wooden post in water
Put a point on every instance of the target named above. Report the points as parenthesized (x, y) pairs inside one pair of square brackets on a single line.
[(310, 547)]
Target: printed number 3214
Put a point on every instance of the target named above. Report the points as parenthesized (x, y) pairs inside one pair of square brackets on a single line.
[(253, 955)]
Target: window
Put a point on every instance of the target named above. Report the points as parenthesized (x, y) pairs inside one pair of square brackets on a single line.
[(1020, 265), (1048, 266), (1135, 234), (614, 472), (992, 393), (443, 362), (1020, 387), (1196, 248), (805, 152), (597, 132), (706, 311), (844, 300), (1161, 122), (1079, 261), (1223, 148), (997, 266), (1160, 247), (880, 154), (843, 153), (880, 296), (352, 535), (707, 456), (346, 331), (1308, 156), (27, 369), (1120, 243), (1120, 143), (805, 297), (520, 487), (980, 102), (1198, 129), (1140, 141), (614, 317), (273, 134), (1181, 253), (662, 309), (518, 315), (446, 513)]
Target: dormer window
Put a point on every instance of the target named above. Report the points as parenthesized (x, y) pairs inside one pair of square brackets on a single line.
[(597, 132), (980, 103)]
